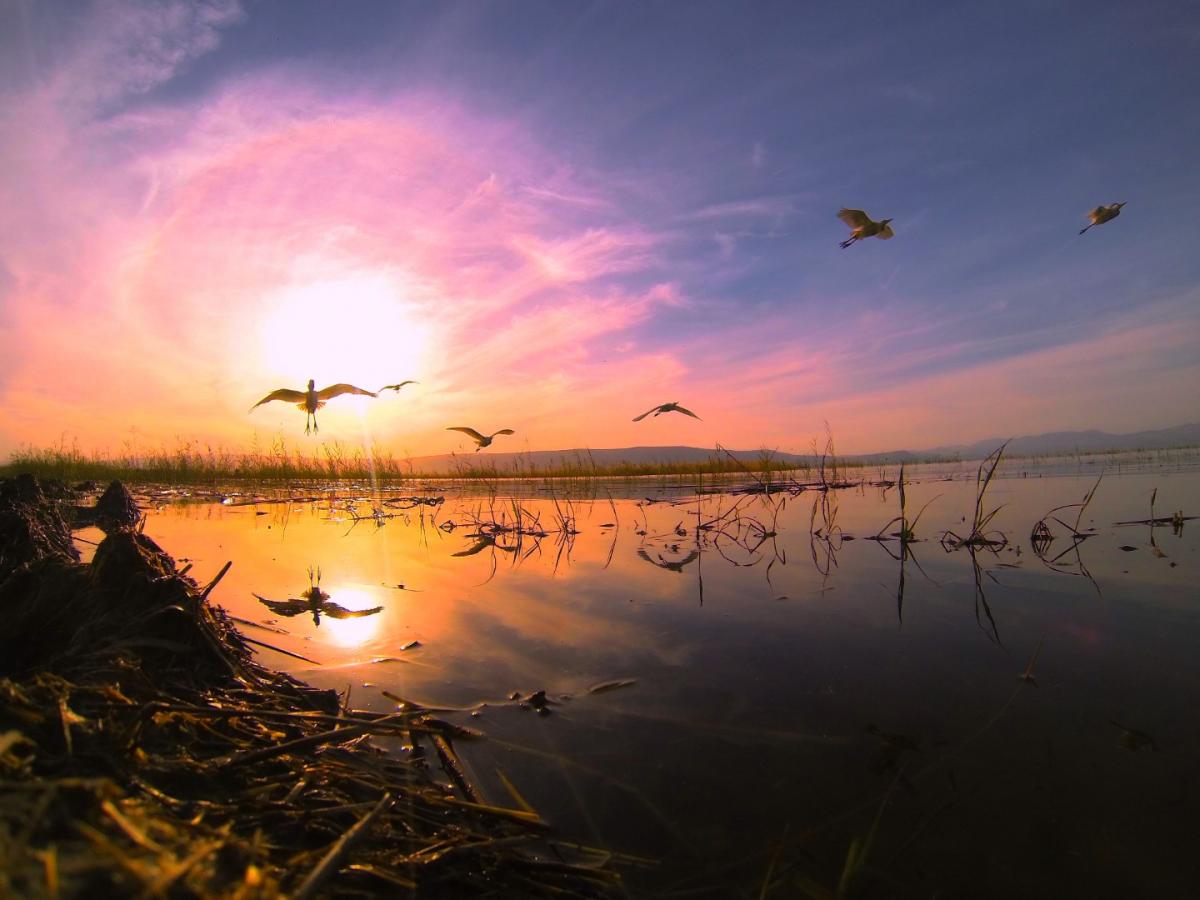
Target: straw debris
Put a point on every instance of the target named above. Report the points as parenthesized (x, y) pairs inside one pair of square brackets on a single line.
[(143, 752)]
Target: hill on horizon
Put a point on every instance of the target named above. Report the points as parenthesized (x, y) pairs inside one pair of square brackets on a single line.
[(1025, 445)]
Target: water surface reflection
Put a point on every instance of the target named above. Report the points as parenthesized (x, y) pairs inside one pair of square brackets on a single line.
[(776, 670)]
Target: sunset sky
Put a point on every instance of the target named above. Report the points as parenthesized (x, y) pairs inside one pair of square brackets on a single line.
[(555, 215)]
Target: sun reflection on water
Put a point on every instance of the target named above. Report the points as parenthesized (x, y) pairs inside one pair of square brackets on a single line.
[(823, 652), (358, 631)]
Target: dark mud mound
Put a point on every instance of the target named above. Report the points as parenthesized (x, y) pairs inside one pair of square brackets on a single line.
[(143, 752), (116, 508), (32, 526)]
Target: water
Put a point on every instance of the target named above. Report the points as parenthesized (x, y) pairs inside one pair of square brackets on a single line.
[(787, 689)]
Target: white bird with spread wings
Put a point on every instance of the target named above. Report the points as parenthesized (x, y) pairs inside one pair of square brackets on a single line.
[(1102, 214), (862, 227), (311, 400), (483, 440)]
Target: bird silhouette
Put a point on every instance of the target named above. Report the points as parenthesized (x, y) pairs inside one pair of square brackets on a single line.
[(671, 566), (1102, 214), (483, 440), (862, 227), (483, 540), (311, 400), (396, 387), (666, 408), (314, 601)]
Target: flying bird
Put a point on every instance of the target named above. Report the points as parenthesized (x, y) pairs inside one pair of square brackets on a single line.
[(666, 408), (480, 439), (396, 387), (1102, 214), (311, 400), (863, 227)]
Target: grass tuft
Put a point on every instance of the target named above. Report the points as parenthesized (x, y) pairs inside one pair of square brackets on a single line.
[(979, 536)]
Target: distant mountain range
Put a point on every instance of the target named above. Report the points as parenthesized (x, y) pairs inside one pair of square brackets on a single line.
[(1085, 441), (1037, 444)]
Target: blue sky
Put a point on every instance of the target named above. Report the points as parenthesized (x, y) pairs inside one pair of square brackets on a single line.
[(687, 161)]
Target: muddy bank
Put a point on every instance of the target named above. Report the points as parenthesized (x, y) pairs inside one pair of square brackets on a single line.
[(144, 752)]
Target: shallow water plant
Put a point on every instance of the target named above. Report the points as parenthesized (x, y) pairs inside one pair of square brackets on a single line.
[(908, 530), (979, 536), (1042, 533), (1042, 536)]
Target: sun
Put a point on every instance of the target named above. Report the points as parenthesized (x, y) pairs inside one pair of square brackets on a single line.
[(358, 328)]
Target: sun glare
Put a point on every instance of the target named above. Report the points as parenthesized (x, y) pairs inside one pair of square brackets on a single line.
[(356, 631), (358, 329)]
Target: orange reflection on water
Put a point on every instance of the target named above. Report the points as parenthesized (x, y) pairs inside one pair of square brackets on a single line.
[(732, 622), (493, 611), (480, 618), (359, 631)]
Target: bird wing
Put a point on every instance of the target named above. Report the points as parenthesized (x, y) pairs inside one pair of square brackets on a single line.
[(283, 607), (686, 412), (646, 413), (396, 387), (336, 390), (886, 233), (855, 218), (469, 432), (281, 394), (1097, 213), (336, 611), (484, 540), (503, 431)]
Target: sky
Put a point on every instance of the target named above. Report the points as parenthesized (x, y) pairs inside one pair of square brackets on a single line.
[(555, 215)]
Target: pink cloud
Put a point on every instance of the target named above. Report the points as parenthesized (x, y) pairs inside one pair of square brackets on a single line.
[(865, 388), (142, 294), (163, 266), (123, 48)]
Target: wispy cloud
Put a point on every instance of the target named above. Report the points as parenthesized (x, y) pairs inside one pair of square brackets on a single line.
[(584, 256), (879, 390), (760, 207), (381, 238), (178, 237), (758, 155), (117, 49)]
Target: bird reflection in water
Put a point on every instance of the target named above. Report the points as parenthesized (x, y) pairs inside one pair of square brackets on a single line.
[(314, 601), (670, 565)]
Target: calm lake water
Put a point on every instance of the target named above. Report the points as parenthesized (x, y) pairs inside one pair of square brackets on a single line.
[(786, 689)]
